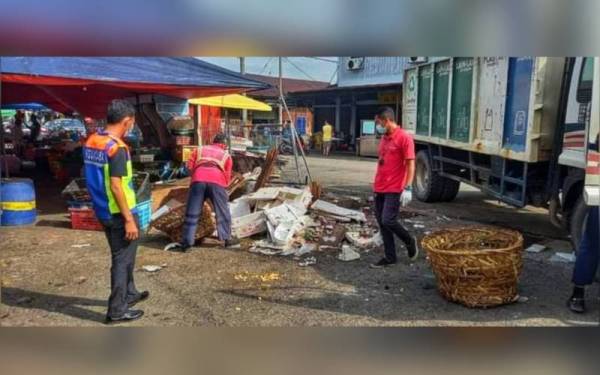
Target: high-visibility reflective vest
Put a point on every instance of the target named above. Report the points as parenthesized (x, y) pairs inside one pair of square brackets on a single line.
[(97, 151), (211, 156)]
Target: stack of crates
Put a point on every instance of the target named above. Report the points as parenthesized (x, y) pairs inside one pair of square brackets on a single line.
[(81, 211)]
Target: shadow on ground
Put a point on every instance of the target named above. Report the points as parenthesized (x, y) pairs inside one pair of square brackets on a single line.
[(71, 306)]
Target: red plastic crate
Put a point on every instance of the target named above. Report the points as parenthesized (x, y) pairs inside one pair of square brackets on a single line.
[(84, 219)]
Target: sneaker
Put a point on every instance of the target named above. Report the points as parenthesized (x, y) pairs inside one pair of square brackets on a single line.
[(176, 246), (413, 250), (232, 243), (383, 262), (577, 305), (128, 316), (139, 298)]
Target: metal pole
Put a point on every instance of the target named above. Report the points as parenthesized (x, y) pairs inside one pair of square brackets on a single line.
[(280, 91), (243, 71), (228, 130), (199, 129), (294, 138)]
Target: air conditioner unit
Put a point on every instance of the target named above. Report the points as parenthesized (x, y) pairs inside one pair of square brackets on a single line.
[(418, 59), (355, 63)]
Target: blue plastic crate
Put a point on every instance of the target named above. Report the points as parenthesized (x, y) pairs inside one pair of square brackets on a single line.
[(144, 211)]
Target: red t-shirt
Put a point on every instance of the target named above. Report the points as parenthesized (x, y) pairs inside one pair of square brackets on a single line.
[(208, 173), (394, 150)]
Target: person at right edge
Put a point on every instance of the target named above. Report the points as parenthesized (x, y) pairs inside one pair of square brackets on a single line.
[(108, 174), (586, 264), (392, 186)]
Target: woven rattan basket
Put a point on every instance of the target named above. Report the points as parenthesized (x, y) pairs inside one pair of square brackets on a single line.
[(477, 267), (172, 223)]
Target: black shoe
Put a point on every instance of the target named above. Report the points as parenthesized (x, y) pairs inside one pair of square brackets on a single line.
[(128, 316), (577, 305), (413, 250), (177, 247), (232, 243), (383, 262), (141, 297)]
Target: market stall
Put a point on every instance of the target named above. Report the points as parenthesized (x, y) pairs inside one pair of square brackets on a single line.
[(77, 90)]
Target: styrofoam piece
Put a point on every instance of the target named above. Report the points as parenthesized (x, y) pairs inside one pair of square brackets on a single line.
[(285, 212), (265, 194), (246, 226), (563, 257), (536, 248), (348, 254), (239, 207), (332, 209)]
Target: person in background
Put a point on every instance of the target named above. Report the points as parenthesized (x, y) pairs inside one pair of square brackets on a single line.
[(392, 187), (108, 173), (36, 127), (210, 167), (17, 133), (327, 135)]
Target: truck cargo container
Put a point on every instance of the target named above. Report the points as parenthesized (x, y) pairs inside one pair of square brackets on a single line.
[(518, 128)]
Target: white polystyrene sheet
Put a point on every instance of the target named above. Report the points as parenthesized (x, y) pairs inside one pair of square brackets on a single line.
[(249, 225), (335, 210)]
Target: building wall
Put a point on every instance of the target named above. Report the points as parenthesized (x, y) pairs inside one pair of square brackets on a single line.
[(375, 70)]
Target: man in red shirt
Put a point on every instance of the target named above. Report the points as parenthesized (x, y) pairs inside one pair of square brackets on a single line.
[(210, 167), (392, 187)]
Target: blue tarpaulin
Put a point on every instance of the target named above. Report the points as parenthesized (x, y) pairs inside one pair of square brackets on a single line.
[(87, 84), (25, 106)]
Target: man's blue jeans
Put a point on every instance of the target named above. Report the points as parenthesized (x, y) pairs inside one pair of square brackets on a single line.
[(586, 264), (199, 191)]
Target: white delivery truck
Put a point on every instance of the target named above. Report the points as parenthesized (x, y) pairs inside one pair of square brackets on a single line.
[(522, 129)]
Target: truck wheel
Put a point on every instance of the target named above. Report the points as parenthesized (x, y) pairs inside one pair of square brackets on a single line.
[(451, 188), (577, 222), (428, 185)]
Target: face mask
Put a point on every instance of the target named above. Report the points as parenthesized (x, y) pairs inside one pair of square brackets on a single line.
[(380, 129)]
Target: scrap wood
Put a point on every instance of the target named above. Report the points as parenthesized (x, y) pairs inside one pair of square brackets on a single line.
[(244, 162), (237, 183), (162, 193), (267, 169), (316, 190)]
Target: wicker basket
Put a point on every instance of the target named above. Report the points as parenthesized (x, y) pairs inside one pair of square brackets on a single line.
[(172, 223), (477, 267)]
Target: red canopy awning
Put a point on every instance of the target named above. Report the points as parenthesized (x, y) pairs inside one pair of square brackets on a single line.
[(65, 86)]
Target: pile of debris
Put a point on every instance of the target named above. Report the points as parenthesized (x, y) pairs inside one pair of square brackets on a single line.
[(297, 224), (276, 220)]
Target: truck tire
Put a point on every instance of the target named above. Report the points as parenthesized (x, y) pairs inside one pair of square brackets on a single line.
[(428, 185), (451, 188), (577, 222)]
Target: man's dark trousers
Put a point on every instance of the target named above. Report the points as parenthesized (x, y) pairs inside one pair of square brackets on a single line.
[(199, 191), (586, 264), (123, 253), (387, 206)]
